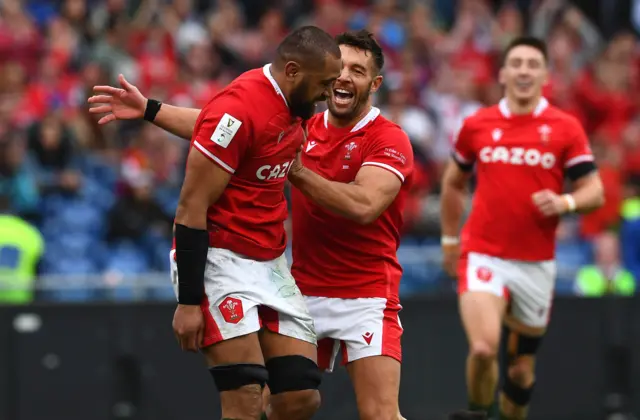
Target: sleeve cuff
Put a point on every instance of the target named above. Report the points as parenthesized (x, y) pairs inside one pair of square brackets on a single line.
[(387, 167), (213, 157)]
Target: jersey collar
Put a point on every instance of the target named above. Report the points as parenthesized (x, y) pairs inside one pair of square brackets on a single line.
[(371, 115), (267, 72), (504, 108)]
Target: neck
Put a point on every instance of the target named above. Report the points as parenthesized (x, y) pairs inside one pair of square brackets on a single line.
[(349, 121), (280, 78), (522, 108)]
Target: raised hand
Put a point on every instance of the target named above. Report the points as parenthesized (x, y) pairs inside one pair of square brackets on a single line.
[(124, 103)]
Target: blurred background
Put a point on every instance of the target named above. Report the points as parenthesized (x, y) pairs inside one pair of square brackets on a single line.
[(92, 206)]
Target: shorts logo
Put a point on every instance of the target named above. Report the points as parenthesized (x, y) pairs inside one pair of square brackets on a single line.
[(231, 310), (368, 336), (484, 274)]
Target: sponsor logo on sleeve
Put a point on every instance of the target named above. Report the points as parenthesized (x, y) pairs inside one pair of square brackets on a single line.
[(225, 130)]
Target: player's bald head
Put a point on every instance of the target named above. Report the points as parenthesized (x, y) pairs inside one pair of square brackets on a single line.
[(309, 46)]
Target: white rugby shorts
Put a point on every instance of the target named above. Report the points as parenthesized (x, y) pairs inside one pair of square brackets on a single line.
[(243, 295), (358, 328), (528, 285)]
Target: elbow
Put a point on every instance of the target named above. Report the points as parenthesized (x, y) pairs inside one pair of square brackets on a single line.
[(364, 215), (189, 214)]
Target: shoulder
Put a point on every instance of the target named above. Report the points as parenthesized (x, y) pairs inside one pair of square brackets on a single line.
[(562, 117), (567, 125), (383, 129), (482, 117), (249, 98)]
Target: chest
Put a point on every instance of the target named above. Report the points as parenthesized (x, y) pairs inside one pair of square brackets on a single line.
[(531, 144), (335, 157), (272, 154)]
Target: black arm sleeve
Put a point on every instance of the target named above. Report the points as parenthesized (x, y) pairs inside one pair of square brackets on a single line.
[(192, 246), (579, 170)]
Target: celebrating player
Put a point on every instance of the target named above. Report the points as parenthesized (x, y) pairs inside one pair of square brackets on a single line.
[(352, 176), (228, 265), (351, 183), (521, 150)]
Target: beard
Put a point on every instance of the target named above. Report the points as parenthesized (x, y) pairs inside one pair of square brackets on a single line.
[(300, 106), (353, 110)]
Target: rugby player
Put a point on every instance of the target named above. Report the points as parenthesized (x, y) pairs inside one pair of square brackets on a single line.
[(228, 265), (521, 149), (352, 177)]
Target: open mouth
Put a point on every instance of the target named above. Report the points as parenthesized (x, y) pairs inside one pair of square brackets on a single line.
[(342, 96), (524, 84)]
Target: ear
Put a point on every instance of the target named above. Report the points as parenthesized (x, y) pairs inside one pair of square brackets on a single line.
[(377, 82), (291, 70)]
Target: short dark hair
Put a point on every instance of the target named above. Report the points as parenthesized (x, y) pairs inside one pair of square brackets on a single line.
[(363, 40), (528, 41), (307, 45)]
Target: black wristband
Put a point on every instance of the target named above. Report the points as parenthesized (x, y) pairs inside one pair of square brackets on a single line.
[(152, 109), (192, 246)]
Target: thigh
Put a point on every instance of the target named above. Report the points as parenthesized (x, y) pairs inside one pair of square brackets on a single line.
[(376, 382), (283, 308), (483, 273), (328, 317), (532, 292), (364, 327), (483, 297), (230, 305)]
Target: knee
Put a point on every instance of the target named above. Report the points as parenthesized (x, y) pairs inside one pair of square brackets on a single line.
[(294, 405), (521, 372), (244, 402), (483, 351), (294, 381), (378, 410)]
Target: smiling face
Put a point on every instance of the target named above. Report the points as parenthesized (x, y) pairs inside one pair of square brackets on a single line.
[(311, 85), (358, 80), (524, 73)]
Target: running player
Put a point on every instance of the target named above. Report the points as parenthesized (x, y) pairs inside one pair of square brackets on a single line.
[(522, 149), (358, 169), (228, 265)]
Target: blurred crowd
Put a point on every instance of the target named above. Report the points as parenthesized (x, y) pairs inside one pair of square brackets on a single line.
[(103, 197)]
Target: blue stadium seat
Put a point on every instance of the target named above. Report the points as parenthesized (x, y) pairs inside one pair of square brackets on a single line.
[(96, 168), (79, 216), (99, 195)]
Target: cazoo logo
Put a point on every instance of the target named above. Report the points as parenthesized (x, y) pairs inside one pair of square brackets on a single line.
[(517, 156), (268, 172)]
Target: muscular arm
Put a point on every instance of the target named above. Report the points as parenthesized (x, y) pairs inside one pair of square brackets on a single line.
[(588, 192), (197, 196), (452, 198), (177, 120), (362, 201), (190, 230)]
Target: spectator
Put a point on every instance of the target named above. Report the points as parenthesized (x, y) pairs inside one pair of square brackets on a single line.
[(16, 180), (54, 156), (607, 275), (21, 247)]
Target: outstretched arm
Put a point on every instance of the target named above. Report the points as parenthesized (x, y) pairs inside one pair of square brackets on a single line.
[(127, 103)]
